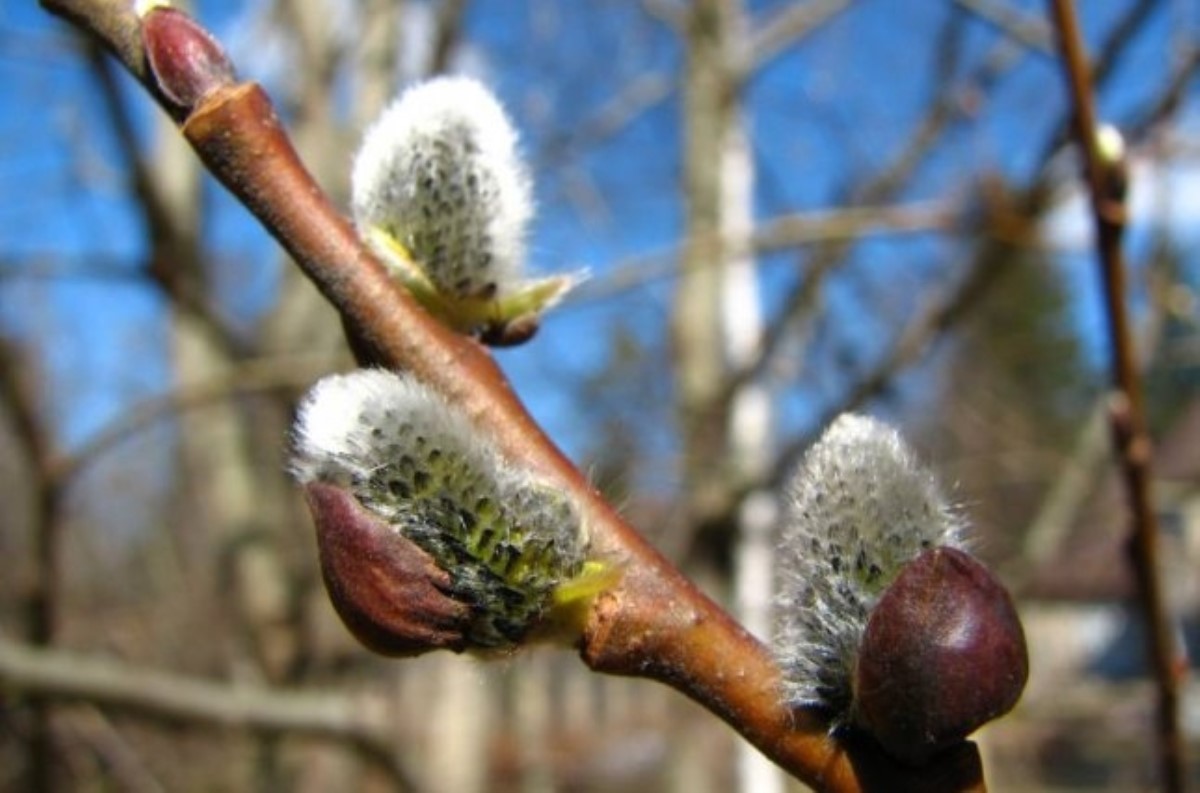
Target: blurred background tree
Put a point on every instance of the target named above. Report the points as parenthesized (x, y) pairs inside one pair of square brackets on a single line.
[(788, 209)]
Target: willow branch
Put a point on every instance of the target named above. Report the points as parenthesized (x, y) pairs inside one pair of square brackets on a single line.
[(1130, 435), (655, 623)]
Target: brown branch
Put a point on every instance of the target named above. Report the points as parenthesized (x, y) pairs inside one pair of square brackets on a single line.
[(654, 623), (1116, 42), (1068, 495), (448, 30), (44, 597), (1105, 180), (87, 726), (163, 696)]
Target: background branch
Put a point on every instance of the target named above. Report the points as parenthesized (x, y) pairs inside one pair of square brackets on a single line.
[(1105, 173), (149, 693)]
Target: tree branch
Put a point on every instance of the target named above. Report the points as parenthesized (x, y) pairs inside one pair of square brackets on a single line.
[(941, 312), (250, 376), (59, 675), (1031, 31), (777, 234), (43, 600), (1105, 175), (793, 21)]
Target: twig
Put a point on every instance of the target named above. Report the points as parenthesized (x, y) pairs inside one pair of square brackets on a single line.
[(777, 234), (44, 599), (784, 27), (1130, 435), (1031, 31), (448, 29), (654, 623), (941, 312), (252, 376), (56, 674)]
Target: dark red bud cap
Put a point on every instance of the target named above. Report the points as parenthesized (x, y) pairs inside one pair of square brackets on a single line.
[(389, 593), (943, 653), (512, 333), (187, 62)]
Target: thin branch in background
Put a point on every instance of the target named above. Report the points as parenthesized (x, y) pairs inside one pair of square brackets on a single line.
[(1031, 31), (86, 725), (167, 697), (793, 21), (635, 97), (941, 312), (173, 259), (945, 107), (447, 32), (1167, 103), (777, 234), (1113, 47), (44, 599), (1067, 496), (1130, 434), (281, 373)]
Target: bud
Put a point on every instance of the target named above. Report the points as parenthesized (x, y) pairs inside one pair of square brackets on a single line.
[(943, 653), (187, 62), (1113, 162), (428, 537), (441, 196), (873, 576), (390, 594)]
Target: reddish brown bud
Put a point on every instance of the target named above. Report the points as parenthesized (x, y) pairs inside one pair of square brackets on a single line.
[(187, 62), (512, 333), (942, 654), (389, 593)]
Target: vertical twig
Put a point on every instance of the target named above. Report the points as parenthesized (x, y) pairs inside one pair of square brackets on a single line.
[(43, 600), (1104, 176)]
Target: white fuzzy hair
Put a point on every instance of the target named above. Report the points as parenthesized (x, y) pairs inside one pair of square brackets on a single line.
[(439, 172), (350, 424), (859, 507)]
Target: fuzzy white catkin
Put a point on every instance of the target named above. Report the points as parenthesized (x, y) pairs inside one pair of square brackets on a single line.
[(439, 172), (859, 507), (417, 462)]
